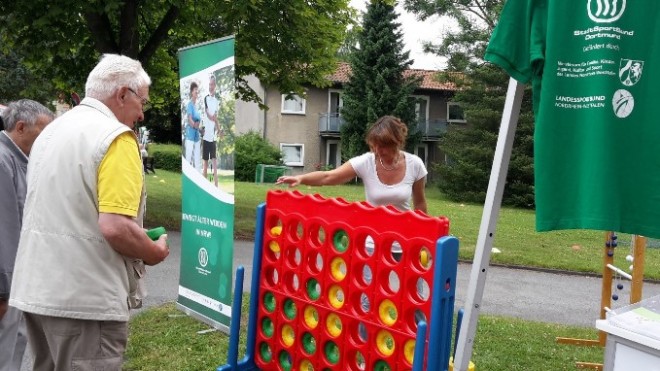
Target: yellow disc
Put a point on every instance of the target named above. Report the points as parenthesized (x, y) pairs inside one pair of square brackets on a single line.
[(333, 324), (338, 268), (424, 258), (385, 343), (288, 336), (311, 317), (409, 351), (336, 296), (273, 245), (387, 312), (276, 230), (306, 365)]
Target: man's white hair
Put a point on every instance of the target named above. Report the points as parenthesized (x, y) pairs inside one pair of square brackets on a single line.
[(114, 72), (25, 110)]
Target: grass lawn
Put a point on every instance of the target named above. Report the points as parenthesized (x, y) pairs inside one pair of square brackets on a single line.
[(515, 237), (165, 339)]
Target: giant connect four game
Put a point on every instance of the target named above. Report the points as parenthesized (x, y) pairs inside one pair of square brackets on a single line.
[(343, 285)]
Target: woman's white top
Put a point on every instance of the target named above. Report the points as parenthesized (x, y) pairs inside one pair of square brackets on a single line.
[(379, 194)]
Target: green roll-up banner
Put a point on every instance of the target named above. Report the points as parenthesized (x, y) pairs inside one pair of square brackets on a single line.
[(207, 225)]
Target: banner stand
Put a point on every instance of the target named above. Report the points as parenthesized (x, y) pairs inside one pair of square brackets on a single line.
[(207, 88)]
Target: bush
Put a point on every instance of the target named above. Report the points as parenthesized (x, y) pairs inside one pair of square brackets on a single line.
[(252, 149), (166, 156)]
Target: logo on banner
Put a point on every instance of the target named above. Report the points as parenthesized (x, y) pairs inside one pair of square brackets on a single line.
[(606, 11), (203, 257), (630, 71)]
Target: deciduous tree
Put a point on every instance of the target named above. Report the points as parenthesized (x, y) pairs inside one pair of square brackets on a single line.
[(285, 43), (481, 93)]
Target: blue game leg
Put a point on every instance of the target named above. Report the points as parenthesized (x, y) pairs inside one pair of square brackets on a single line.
[(442, 307), (248, 363), (232, 356), (420, 344)]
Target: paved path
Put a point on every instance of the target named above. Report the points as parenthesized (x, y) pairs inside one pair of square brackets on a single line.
[(526, 294), (522, 293)]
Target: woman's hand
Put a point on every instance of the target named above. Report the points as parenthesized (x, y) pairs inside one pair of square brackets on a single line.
[(292, 181)]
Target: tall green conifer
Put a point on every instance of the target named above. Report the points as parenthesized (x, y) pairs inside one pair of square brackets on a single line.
[(377, 86)]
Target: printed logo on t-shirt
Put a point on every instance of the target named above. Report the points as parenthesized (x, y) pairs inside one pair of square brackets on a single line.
[(630, 71), (623, 103), (606, 11)]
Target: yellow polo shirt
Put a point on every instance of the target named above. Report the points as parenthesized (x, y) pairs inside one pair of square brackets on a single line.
[(120, 177)]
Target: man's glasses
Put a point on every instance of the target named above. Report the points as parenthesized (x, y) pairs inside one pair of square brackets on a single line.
[(145, 102)]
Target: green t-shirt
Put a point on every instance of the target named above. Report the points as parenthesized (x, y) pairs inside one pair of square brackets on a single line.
[(592, 67)]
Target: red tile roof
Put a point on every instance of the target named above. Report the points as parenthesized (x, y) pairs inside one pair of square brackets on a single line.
[(429, 79)]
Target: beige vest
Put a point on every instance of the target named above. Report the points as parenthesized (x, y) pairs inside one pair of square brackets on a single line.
[(64, 266)]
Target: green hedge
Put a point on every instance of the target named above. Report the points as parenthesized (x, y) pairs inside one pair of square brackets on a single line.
[(251, 150), (166, 156)]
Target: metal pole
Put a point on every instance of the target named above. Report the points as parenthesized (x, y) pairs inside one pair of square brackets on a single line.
[(488, 222)]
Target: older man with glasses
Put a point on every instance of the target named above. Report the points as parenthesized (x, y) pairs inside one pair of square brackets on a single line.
[(82, 249)]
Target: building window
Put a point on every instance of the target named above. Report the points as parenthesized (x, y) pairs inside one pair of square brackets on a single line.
[(422, 151), (335, 102), (294, 105), (293, 154), (422, 108), (332, 154), (455, 113)]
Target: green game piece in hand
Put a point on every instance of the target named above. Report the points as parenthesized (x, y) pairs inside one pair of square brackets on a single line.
[(155, 233)]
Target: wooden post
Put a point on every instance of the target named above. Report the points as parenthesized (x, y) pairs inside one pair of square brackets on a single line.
[(638, 269)]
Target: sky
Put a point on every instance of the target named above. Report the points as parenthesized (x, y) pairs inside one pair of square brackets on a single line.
[(414, 33)]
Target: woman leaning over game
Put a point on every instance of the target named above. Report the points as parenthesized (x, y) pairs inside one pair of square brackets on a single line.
[(390, 175)]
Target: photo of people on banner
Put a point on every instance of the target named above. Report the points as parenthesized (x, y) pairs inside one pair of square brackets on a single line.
[(207, 125)]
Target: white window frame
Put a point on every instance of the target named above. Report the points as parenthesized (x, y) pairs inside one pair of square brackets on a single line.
[(291, 112), (341, 99), (426, 151), (327, 151), (449, 104), (302, 154), (428, 106)]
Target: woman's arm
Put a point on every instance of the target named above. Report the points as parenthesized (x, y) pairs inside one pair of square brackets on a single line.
[(418, 195), (340, 175)]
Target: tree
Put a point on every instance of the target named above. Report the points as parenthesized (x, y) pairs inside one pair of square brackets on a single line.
[(17, 82), (465, 44), (481, 93), (284, 43), (377, 85)]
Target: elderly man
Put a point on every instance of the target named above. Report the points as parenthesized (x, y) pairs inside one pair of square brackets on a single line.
[(24, 120), (81, 249)]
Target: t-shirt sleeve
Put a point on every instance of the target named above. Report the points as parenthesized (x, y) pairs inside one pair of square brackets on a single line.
[(120, 177), (420, 169), (518, 41), (359, 164)]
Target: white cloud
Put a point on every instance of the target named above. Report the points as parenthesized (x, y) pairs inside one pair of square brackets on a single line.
[(416, 32)]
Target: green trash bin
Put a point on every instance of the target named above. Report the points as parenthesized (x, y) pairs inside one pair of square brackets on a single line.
[(269, 173)]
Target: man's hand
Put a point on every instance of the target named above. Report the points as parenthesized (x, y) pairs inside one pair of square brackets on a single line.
[(128, 239), (161, 252)]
